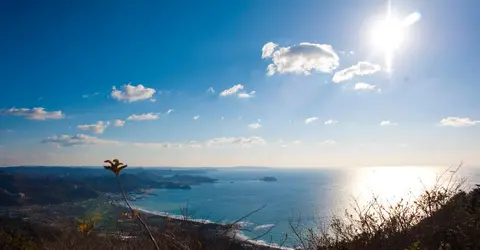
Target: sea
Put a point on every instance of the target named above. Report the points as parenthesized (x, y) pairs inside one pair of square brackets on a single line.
[(300, 197)]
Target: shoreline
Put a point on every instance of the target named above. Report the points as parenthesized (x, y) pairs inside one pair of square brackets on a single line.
[(210, 229)]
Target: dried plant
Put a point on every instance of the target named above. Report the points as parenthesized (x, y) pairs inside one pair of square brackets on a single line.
[(116, 167)]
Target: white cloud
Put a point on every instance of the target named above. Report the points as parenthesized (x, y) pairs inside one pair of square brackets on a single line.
[(211, 90), (331, 122), (118, 123), (328, 142), (388, 123), (33, 114), (196, 117), (169, 111), (130, 93), (458, 122), (97, 128), (268, 49), (303, 58), (360, 69), (242, 141), (362, 86), (153, 100), (310, 120), (235, 90), (247, 95), (297, 142), (157, 145), (143, 117), (254, 125), (231, 91), (77, 140)]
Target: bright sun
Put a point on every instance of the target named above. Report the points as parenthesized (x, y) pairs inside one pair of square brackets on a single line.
[(389, 34)]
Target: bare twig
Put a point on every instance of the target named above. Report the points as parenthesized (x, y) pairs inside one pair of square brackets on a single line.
[(134, 214), (233, 224), (299, 237)]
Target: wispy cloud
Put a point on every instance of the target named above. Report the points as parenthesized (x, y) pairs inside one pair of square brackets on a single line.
[(303, 58), (85, 96), (296, 142), (247, 95), (33, 114), (331, 122), (152, 100), (97, 128), (328, 142), (196, 117), (242, 141), (169, 111), (143, 117), (310, 120), (345, 52), (360, 69), (458, 122), (131, 93), (211, 90), (362, 86), (254, 125), (118, 123), (388, 123), (157, 144), (194, 144), (77, 140), (231, 91)]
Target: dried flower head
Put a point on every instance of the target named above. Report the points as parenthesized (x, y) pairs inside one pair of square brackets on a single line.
[(85, 227), (130, 215), (115, 166)]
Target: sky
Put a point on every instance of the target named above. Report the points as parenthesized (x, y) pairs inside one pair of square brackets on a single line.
[(240, 83)]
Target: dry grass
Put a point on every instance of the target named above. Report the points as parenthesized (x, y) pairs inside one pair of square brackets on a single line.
[(443, 217)]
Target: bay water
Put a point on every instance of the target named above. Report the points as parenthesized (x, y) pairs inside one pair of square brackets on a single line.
[(299, 196)]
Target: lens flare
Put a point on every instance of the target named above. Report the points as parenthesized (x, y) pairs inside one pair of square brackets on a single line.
[(389, 34)]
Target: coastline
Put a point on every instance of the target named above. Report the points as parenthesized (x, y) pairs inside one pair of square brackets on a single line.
[(207, 227)]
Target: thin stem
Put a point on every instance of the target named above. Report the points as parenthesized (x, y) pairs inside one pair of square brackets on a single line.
[(133, 213)]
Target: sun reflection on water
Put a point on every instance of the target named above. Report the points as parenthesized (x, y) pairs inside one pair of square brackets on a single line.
[(391, 184)]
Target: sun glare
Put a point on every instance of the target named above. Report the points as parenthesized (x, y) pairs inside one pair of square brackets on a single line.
[(389, 33)]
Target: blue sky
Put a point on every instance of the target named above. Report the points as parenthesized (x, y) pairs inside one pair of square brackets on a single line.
[(294, 84)]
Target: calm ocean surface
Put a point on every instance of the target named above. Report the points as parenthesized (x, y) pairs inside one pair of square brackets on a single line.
[(307, 193)]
